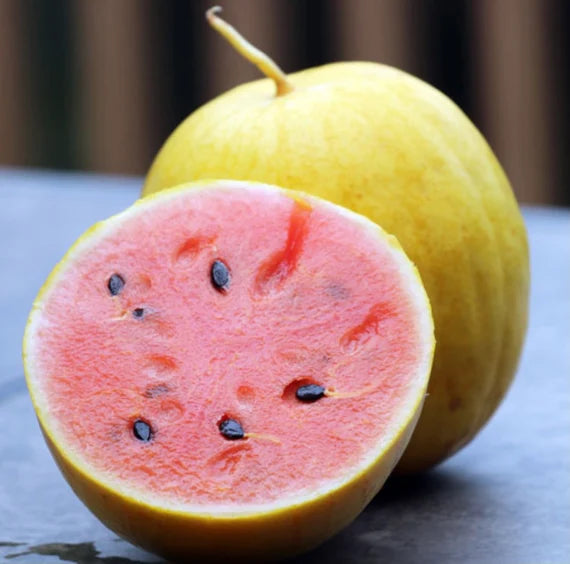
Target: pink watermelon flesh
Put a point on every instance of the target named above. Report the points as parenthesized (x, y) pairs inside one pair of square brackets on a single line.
[(312, 298)]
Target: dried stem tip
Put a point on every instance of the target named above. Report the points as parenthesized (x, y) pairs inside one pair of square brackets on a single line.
[(251, 53)]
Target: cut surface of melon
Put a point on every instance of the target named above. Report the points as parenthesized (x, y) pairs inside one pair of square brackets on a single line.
[(314, 294)]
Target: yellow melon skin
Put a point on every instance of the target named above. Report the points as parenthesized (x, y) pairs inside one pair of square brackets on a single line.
[(263, 537), (393, 148)]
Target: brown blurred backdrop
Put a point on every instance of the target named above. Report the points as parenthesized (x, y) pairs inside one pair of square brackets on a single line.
[(98, 84)]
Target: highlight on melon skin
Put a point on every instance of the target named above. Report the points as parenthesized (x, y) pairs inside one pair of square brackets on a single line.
[(237, 394)]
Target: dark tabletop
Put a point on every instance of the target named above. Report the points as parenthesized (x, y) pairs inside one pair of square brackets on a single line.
[(504, 499)]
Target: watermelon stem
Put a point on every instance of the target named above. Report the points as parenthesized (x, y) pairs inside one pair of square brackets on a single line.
[(265, 64)]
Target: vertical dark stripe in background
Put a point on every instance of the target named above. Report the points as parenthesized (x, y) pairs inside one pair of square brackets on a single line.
[(51, 112), (559, 62), (443, 39), (310, 37), (180, 62), (174, 44)]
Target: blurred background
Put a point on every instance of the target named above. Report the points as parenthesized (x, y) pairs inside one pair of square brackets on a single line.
[(97, 85)]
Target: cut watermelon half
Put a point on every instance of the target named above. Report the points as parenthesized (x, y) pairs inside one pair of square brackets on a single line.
[(229, 370)]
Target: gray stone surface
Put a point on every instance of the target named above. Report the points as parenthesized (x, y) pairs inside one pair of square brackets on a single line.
[(504, 499)]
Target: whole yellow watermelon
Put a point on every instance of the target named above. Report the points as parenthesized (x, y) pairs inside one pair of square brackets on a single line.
[(391, 147)]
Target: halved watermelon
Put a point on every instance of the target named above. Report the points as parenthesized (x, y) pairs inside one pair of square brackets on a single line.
[(229, 370)]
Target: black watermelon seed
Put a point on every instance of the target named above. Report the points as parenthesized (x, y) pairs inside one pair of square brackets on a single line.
[(310, 392), (115, 284), (231, 429), (138, 312), (142, 430), (220, 276)]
